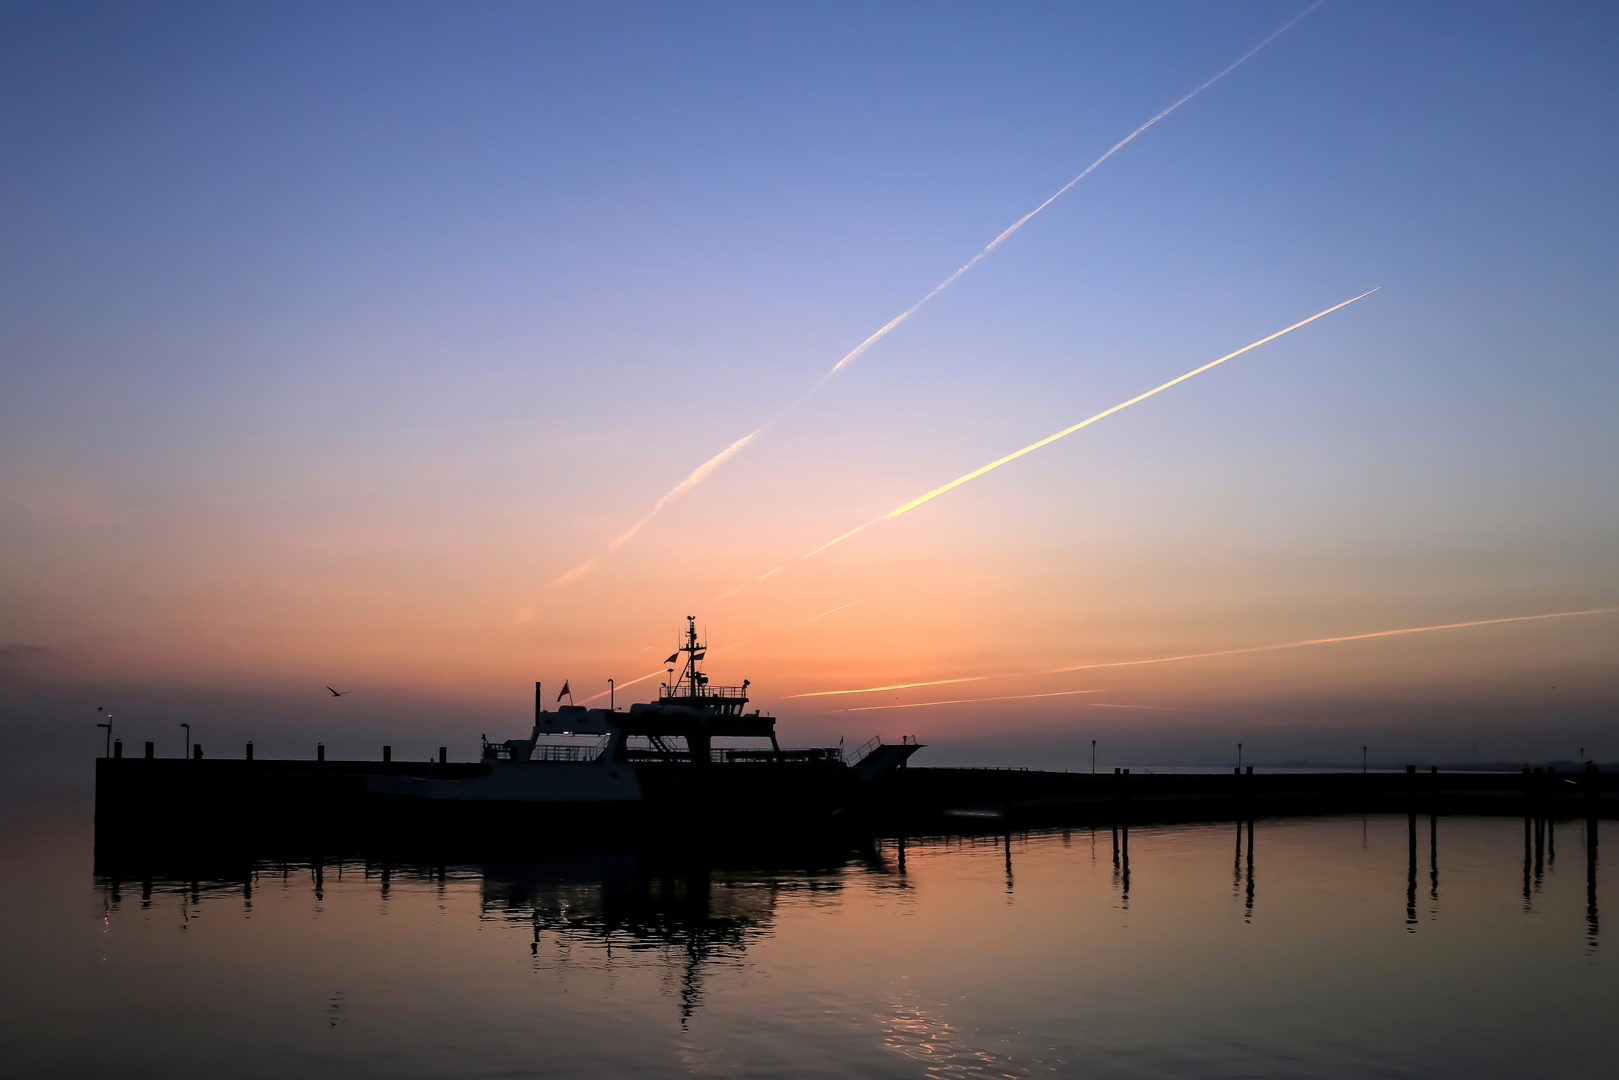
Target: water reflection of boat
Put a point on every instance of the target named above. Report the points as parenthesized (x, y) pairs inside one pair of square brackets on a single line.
[(679, 753), (689, 917)]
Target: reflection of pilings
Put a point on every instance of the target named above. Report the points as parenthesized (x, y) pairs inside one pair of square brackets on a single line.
[(1411, 872), (1007, 838), (1236, 862), (1248, 904), (1528, 859), (1124, 848), (1591, 878), (1433, 861), (1540, 850)]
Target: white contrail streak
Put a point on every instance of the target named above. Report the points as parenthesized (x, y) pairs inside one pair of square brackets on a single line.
[(702, 471), (622, 685), (1220, 652), (1065, 432), (698, 475), (834, 611), (1020, 222)]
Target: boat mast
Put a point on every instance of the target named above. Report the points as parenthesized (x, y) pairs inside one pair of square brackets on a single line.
[(694, 653)]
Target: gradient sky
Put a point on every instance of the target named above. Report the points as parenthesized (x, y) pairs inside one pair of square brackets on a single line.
[(334, 334)]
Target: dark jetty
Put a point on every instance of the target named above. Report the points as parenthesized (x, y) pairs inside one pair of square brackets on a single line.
[(162, 803)]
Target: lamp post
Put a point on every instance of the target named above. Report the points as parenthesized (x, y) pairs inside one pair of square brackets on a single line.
[(108, 726), (1239, 757), (188, 739), (1093, 757), (1363, 761), (610, 706)]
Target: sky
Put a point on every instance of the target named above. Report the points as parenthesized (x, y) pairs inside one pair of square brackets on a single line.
[(337, 339)]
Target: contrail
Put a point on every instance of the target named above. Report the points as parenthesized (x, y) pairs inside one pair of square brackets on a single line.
[(620, 686), (702, 471), (834, 611), (1049, 439), (1219, 652), (1020, 222), (960, 701), (698, 475)]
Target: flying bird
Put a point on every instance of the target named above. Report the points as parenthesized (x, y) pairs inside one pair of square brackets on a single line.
[(338, 693)]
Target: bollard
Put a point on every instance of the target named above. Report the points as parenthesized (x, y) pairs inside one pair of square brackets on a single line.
[(250, 749), (196, 752), (148, 751), (320, 751), (1250, 770), (443, 755), (387, 753), (118, 748)]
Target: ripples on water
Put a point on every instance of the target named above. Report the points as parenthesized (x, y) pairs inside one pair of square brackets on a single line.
[(1324, 948)]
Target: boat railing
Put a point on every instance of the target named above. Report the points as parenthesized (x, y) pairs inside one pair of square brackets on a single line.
[(865, 748), (727, 756), (682, 691), (586, 752)]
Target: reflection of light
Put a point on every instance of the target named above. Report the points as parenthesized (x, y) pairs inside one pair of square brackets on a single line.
[(1218, 652)]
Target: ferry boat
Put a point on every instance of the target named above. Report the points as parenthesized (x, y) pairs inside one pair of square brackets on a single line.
[(677, 755)]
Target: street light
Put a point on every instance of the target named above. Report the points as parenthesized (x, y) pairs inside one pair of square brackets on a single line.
[(188, 739), (108, 726)]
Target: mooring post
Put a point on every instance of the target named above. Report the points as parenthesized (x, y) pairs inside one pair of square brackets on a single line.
[(196, 752), (320, 751), (149, 754), (118, 748), (387, 753), (443, 755), (250, 749)]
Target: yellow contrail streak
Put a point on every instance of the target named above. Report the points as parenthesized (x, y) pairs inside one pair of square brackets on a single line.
[(702, 471), (1065, 432), (1331, 640), (961, 701), (1219, 652)]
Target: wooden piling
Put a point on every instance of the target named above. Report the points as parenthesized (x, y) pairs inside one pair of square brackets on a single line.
[(387, 753)]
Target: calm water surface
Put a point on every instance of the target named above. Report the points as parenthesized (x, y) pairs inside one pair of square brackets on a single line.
[(1323, 950)]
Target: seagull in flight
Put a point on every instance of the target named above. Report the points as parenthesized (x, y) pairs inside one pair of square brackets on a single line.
[(339, 693)]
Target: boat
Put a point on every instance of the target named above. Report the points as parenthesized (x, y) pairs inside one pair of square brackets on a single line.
[(693, 754)]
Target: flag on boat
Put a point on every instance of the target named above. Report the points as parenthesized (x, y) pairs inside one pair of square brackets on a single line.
[(565, 691), (698, 655), (672, 658)]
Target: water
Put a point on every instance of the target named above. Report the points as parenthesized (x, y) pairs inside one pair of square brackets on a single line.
[(1324, 950)]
